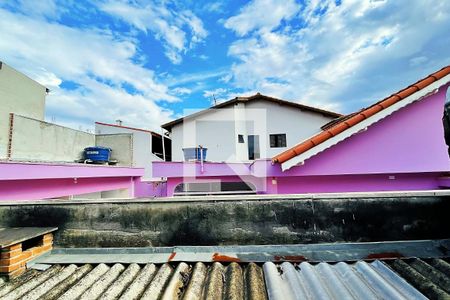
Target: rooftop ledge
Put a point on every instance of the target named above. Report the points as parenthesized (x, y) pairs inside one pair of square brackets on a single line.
[(231, 198), (24, 170)]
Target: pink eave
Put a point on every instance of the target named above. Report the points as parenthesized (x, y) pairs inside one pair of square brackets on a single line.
[(45, 180)]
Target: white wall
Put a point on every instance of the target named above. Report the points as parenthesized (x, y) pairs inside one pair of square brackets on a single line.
[(296, 124), (218, 130), (141, 149), (41, 141), (241, 129), (21, 95), (214, 130)]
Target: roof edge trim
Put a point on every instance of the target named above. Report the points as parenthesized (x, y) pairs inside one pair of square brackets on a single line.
[(361, 126)]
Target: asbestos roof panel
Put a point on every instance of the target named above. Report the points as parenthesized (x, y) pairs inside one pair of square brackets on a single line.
[(388, 279)]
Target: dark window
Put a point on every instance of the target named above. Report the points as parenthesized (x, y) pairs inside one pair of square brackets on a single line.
[(277, 140), (240, 138), (205, 188), (253, 147)]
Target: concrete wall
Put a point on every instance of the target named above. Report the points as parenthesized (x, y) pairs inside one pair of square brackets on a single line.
[(21, 95), (121, 145), (237, 220), (141, 148), (41, 141)]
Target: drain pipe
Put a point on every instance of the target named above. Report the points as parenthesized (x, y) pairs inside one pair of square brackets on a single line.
[(201, 159), (163, 147)]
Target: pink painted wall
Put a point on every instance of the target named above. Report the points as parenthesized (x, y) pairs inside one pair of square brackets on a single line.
[(150, 189), (10, 170), (354, 183), (30, 181), (194, 169), (55, 188)]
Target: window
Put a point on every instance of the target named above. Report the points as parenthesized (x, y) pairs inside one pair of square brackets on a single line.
[(240, 139), (277, 140), (209, 188), (253, 147)]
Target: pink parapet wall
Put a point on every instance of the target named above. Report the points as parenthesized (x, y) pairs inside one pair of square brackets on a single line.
[(150, 189), (31, 181)]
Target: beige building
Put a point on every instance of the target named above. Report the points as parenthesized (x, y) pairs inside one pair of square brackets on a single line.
[(20, 95)]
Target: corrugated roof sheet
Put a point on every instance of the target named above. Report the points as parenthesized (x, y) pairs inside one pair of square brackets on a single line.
[(389, 279)]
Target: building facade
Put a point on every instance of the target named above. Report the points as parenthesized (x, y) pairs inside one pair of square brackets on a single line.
[(246, 128)]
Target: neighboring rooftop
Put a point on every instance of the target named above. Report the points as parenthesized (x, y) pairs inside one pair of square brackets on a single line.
[(347, 122), (257, 96), (131, 128), (23, 75), (413, 278)]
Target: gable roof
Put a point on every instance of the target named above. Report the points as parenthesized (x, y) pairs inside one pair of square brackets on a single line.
[(257, 96), (352, 123)]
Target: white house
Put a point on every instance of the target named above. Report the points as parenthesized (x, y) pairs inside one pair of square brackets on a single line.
[(246, 128), (141, 150)]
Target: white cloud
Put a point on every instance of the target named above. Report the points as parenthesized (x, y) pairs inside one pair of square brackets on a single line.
[(181, 91), (95, 101), (165, 24), (217, 93), (41, 8), (262, 15), (99, 64), (341, 57), (216, 7)]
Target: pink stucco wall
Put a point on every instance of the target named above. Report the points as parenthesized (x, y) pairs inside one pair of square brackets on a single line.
[(31, 181), (55, 188), (404, 151), (150, 189), (354, 183)]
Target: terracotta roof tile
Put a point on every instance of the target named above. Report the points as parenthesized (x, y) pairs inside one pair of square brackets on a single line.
[(335, 127)]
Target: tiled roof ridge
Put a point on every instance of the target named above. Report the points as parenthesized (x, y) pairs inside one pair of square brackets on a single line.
[(355, 118), (307, 107), (253, 97)]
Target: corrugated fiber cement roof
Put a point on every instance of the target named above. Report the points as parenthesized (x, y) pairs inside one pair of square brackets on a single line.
[(412, 278)]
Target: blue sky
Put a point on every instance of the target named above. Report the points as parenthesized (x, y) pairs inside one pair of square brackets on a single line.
[(145, 62)]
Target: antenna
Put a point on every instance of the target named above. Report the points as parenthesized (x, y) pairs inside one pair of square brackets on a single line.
[(214, 98)]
